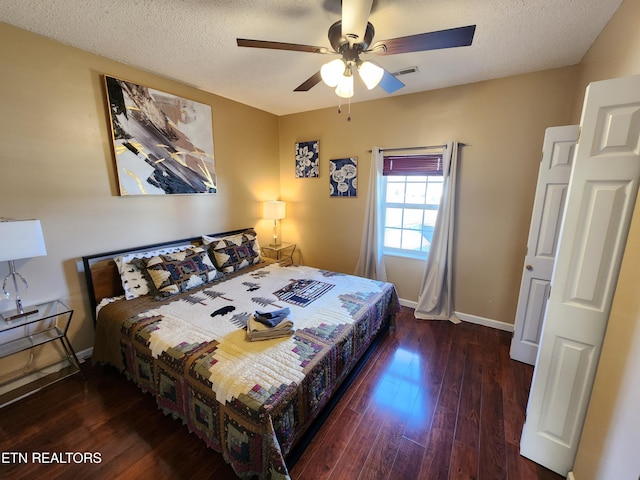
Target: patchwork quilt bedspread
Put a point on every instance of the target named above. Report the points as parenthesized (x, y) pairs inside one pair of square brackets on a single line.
[(249, 400)]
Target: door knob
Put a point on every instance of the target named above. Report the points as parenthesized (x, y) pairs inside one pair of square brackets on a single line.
[(529, 267)]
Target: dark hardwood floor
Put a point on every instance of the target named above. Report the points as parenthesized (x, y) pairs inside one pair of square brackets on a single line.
[(434, 401)]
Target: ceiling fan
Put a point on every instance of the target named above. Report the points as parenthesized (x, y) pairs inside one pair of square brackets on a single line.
[(353, 36)]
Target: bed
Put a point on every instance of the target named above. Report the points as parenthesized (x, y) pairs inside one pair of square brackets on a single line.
[(182, 336)]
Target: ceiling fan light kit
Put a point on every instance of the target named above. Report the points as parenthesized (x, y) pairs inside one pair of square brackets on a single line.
[(348, 40), (345, 85), (332, 72), (371, 74), (339, 74)]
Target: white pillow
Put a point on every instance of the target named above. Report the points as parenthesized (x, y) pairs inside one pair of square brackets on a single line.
[(134, 282)]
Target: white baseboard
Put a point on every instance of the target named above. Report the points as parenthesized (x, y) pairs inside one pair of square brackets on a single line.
[(84, 354), (33, 376), (408, 303), (465, 317), (487, 322), (571, 476)]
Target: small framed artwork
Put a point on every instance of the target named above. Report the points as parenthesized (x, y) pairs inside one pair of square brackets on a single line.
[(343, 177), (307, 159), (163, 143)]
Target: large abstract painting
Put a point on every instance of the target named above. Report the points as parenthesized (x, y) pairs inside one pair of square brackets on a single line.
[(343, 177), (163, 143)]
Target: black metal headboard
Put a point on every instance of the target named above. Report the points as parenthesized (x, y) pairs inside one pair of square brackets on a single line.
[(103, 278)]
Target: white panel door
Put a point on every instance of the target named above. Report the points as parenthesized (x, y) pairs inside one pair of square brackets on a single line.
[(600, 200), (546, 219)]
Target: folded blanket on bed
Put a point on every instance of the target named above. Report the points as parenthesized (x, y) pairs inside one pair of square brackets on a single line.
[(273, 318), (258, 331)]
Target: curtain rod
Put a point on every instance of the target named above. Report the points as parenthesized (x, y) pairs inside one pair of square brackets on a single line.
[(426, 147)]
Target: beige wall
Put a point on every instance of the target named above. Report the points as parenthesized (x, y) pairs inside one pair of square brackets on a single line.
[(614, 53), (609, 444), (503, 121), (56, 165)]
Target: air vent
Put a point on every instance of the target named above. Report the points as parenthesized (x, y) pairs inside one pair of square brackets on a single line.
[(405, 71)]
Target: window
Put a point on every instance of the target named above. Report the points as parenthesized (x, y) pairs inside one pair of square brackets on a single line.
[(412, 191)]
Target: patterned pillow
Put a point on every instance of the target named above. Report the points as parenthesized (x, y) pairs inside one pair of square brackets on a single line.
[(234, 252), (134, 281), (180, 271)]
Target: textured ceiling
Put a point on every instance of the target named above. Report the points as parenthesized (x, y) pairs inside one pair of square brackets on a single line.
[(194, 41)]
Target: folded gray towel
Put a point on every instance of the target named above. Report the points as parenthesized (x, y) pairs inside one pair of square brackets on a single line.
[(274, 317)]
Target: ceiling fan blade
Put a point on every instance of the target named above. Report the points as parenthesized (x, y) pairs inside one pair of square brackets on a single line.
[(243, 42), (453, 37), (309, 83), (390, 83), (355, 15)]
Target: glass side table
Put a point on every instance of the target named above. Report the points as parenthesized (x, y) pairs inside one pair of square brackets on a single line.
[(49, 323), (283, 252)]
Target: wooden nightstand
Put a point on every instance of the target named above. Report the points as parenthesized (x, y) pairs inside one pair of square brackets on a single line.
[(50, 322), (283, 252)]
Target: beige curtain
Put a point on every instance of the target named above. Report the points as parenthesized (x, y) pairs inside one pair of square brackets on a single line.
[(371, 262), (435, 301)]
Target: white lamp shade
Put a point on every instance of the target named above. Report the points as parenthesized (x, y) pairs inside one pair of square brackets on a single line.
[(21, 239), (332, 72), (371, 74), (274, 210), (345, 87)]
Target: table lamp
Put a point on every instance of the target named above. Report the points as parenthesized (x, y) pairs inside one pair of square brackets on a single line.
[(19, 239), (274, 210)]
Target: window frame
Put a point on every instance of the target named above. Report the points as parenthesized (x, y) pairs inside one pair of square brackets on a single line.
[(428, 172)]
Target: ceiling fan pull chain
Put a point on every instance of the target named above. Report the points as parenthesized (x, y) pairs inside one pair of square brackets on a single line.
[(349, 115)]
